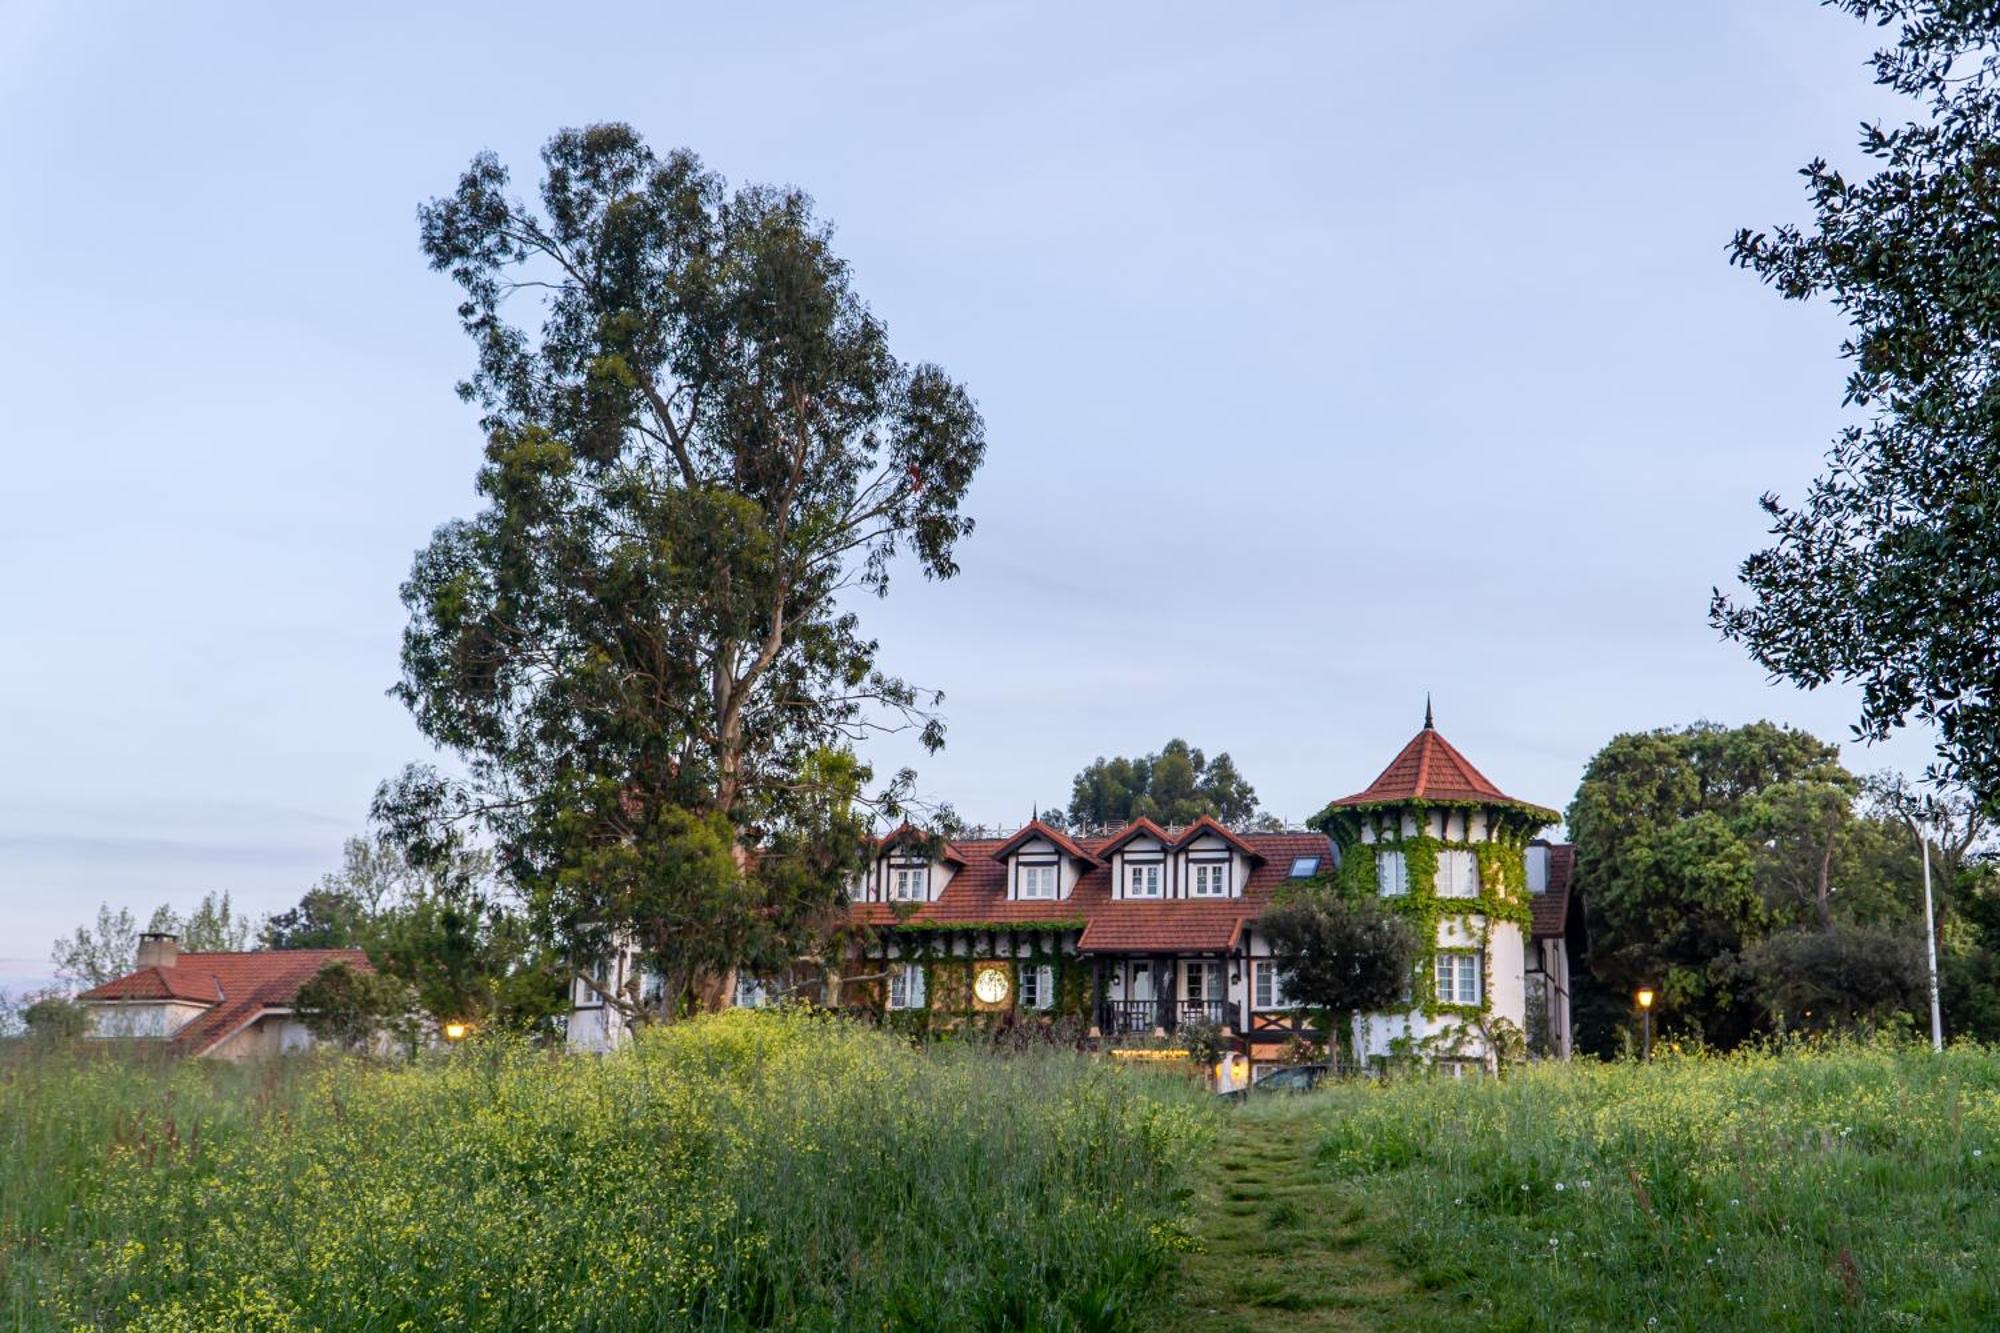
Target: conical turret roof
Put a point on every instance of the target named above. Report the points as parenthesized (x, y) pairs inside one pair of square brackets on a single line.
[(1432, 770)]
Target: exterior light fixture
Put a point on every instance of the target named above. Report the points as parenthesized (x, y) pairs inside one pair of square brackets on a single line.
[(1645, 998), (456, 1031)]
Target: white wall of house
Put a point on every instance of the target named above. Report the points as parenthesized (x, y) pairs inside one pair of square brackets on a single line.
[(273, 1033), (160, 1019)]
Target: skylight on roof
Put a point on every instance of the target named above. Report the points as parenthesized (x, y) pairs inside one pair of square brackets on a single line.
[(1304, 867)]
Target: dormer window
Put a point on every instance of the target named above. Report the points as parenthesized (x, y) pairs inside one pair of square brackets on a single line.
[(1211, 879), (910, 884), (1038, 881), (1142, 881)]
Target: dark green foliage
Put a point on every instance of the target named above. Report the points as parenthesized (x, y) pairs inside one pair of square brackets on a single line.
[(1838, 978), (349, 1007), (446, 928), (324, 919), (1176, 786), (637, 649), (1694, 844), (1345, 955), (55, 1020), (1888, 573)]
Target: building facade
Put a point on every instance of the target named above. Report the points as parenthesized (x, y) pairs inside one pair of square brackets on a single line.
[(225, 1006), (1133, 934)]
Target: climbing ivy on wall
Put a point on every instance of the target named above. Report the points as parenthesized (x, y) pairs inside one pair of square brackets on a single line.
[(948, 976), (1503, 881)]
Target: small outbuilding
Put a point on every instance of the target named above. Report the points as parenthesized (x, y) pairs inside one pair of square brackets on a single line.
[(230, 1006)]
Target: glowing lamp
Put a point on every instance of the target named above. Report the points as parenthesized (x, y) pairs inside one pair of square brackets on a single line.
[(456, 1031), (1645, 997)]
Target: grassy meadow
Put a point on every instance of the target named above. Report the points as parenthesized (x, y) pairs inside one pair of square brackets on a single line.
[(778, 1170), (1853, 1187), (745, 1171)]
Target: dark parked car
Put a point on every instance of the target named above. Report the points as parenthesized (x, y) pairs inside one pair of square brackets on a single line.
[(1287, 1078), (1291, 1078)]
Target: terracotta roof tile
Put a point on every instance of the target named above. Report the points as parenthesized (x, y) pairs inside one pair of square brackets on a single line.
[(159, 983), (1206, 825), (238, 987), (1430, 768), (977, 895), (1037, 829), (1551, 907)]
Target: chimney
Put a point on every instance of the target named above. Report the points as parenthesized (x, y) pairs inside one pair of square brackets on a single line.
[(158, 949)]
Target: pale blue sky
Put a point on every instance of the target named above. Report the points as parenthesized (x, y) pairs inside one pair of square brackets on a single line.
[(1329, 354)]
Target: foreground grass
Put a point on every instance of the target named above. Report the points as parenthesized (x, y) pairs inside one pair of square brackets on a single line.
[(747, 1171), (1855, 1188), (1282, 1244)]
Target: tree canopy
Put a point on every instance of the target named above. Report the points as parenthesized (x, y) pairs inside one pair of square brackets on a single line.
[(1695, 845), (1177, 785), (447, 931), (1887, 574), (698, 442), (1346, 956), (108, 948)]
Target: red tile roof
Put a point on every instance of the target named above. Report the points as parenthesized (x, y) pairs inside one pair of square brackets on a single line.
[(238, 987), (1207, 824), (1037, 829), (1551, 907), (977, 896), (1430, 768), (1138, 828), (908, 832), (159, 983)]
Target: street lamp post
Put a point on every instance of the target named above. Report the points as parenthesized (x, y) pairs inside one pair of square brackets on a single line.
[(1645, 998), (1930, 934)]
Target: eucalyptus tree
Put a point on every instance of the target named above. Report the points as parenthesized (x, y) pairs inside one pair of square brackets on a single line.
[(641, 651)]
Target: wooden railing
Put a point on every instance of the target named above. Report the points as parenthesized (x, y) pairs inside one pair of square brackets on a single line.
[(1130, 1018), (1213, 1012)]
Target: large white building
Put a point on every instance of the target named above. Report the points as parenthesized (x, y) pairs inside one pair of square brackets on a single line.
[(1137, 931)]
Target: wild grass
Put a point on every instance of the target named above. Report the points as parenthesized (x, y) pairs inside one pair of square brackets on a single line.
[(747, 1171), (1851, 1187)]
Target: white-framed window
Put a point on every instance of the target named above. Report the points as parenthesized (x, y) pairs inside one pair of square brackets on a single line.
[(652, 987), (1458, 977), (1304, 867), (1458, 874), (1392, 873), (1204, 981), (1268, 986), (1038, 987), (910, 884), (1142, 881), (751, 992), (1211, 879), (1038, 881), (906, 985)]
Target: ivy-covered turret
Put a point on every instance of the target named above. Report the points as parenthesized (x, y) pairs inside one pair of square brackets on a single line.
[(1439, 842)]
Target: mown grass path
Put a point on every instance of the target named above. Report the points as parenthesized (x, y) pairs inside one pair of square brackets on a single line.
[(1284, 1244)]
